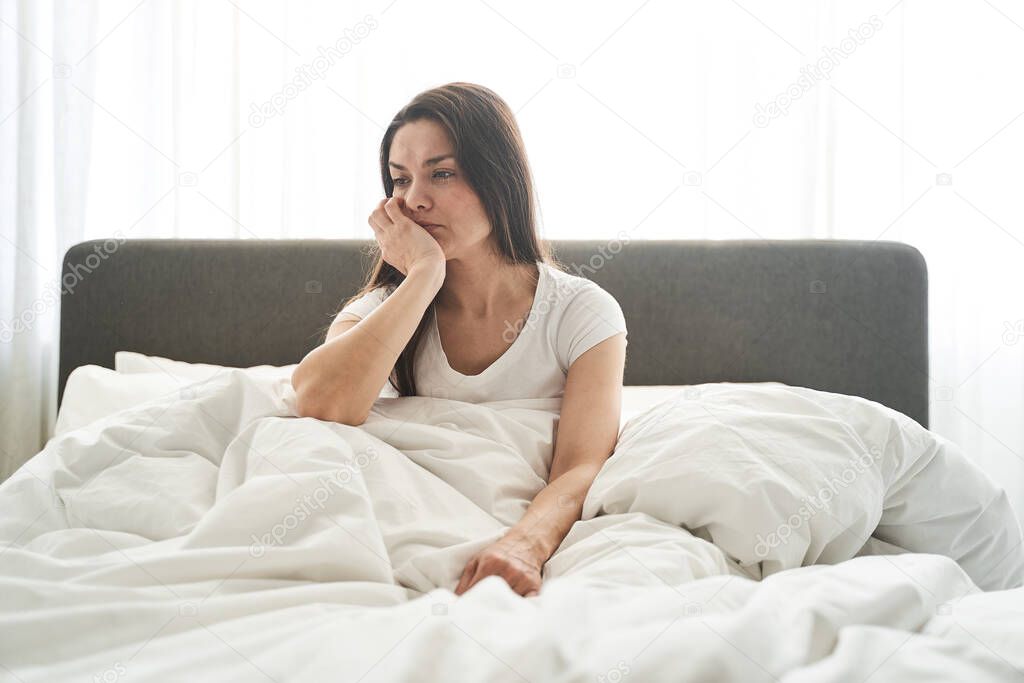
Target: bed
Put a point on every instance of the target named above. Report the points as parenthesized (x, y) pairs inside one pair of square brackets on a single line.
[(776, 507)]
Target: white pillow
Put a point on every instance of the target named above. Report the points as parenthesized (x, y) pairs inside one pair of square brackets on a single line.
[(130, 362), (93, 392)]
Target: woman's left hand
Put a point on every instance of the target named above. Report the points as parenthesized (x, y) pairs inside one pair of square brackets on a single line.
[(512, 560)]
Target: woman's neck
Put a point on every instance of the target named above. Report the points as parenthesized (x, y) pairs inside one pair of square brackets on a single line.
[(484, 287)]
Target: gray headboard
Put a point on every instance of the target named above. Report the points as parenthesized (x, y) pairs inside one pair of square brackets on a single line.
[(844, 316)]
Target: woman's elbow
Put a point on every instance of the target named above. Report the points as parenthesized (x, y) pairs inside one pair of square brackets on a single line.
[(308, 404)]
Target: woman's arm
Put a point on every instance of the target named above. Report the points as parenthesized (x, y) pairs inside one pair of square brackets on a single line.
[(340, 379), (588, 429)]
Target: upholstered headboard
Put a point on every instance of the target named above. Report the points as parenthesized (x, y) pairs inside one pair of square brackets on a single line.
[(844, 316)]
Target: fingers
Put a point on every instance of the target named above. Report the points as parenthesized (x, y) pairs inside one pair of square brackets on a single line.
[(372, 220), (476, 576), (379, 219), (524, 585), (394, 209), (522, 582), (467, 575), (388, 212)]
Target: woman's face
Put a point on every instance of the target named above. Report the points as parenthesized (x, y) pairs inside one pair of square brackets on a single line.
[(427, 176)]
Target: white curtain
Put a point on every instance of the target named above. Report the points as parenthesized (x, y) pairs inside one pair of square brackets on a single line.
[(45, 141), (896, 120)]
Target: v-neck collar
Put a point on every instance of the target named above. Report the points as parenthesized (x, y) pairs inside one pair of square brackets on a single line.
[(542, 276)]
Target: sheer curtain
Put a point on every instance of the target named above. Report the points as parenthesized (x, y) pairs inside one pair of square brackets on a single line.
[(897, 120), (45, 141)]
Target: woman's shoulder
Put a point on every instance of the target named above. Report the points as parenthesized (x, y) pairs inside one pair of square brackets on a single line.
[(575, 301), (566, 286)]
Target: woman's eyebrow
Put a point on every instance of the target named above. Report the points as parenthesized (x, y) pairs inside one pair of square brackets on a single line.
[(429, 162)]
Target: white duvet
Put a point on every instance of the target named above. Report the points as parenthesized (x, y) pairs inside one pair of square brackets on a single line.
[(739, 532)]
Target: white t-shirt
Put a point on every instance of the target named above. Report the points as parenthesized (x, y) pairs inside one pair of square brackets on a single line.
[(570, 315)]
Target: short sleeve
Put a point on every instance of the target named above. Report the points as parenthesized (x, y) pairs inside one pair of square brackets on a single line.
[(590, 317), (364, 304)]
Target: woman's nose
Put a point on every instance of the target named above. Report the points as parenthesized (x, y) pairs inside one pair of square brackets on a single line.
[(416, 198)]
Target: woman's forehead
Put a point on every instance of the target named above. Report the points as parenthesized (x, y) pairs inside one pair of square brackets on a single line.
[(424, 139)]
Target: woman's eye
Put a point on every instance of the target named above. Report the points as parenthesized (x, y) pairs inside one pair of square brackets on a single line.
[(438, 175)]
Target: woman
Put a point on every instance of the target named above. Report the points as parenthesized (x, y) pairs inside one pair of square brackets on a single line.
[(466, 303)]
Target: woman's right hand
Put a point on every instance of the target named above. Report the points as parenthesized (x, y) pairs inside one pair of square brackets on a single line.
[(403, 242)]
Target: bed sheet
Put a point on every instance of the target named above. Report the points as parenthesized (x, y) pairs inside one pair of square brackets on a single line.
[(212, 535)]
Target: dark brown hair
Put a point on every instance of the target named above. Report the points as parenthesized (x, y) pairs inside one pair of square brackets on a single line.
[(489, 149)]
